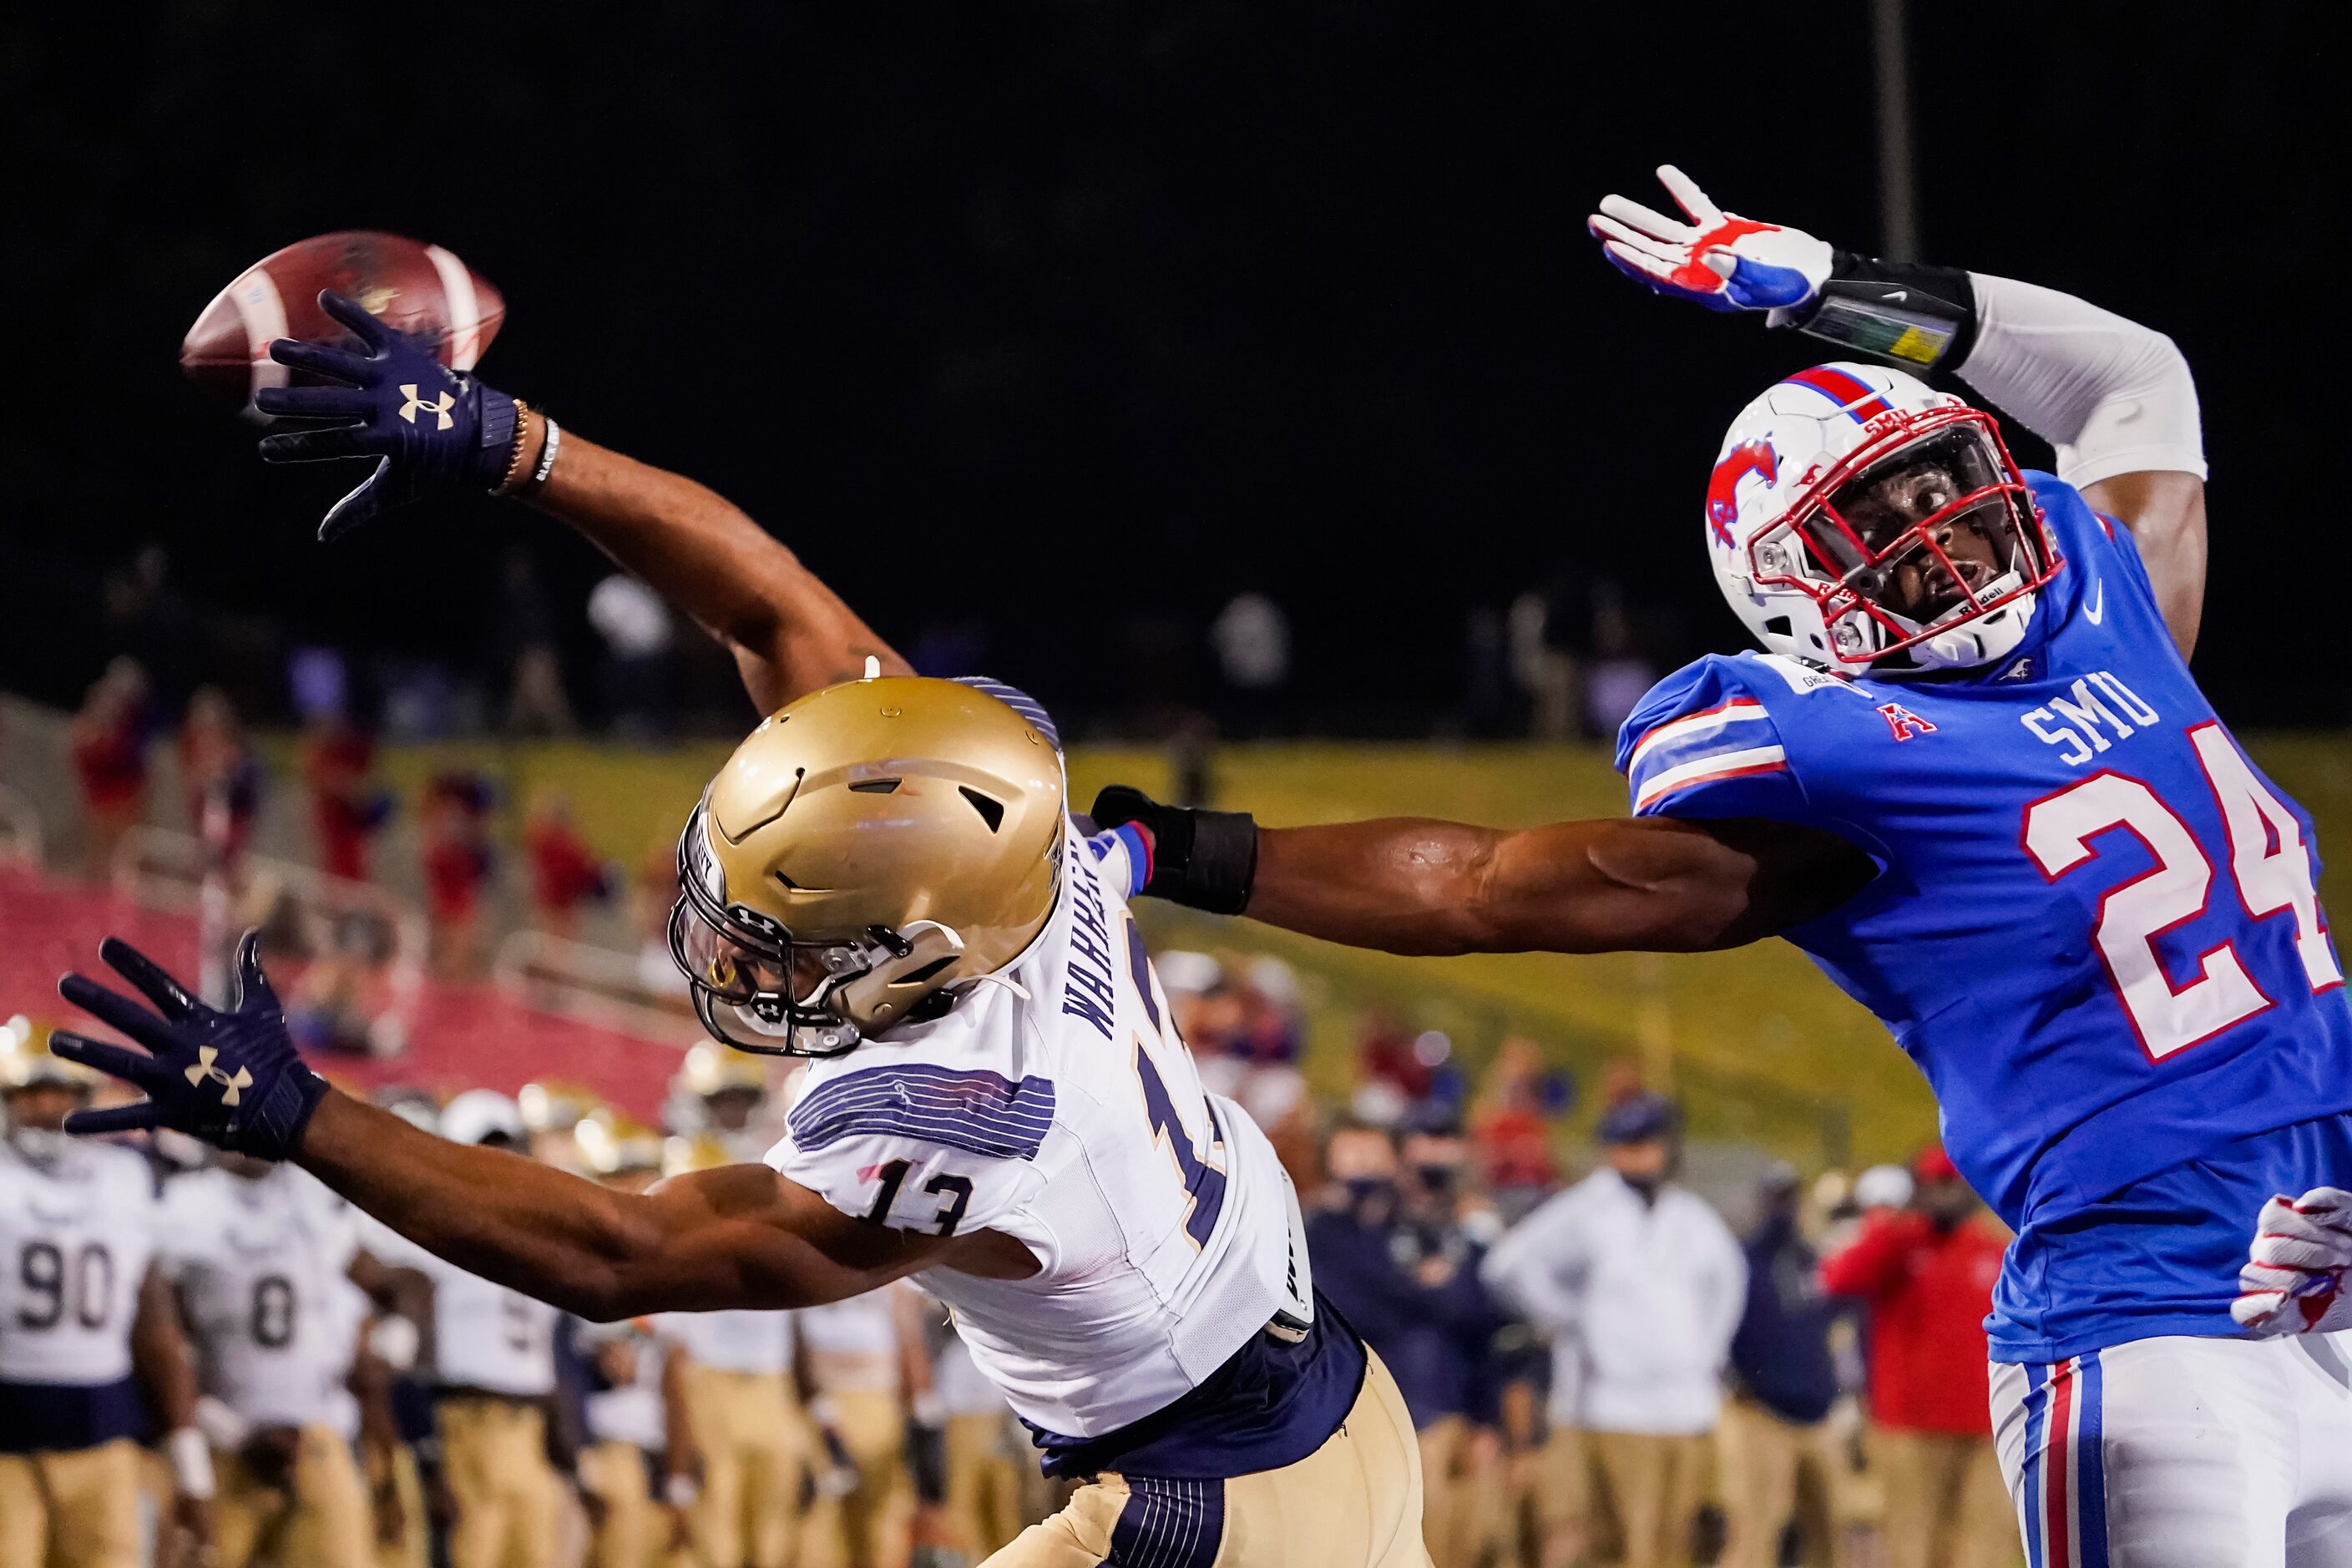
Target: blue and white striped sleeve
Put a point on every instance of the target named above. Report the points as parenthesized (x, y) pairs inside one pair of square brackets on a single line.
[(918, 1146), (1702, 744)]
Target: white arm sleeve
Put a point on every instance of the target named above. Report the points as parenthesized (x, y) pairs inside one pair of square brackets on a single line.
[(2112, 396)]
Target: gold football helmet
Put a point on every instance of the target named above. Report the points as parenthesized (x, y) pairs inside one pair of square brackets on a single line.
[(26, 1061), (872, 847)]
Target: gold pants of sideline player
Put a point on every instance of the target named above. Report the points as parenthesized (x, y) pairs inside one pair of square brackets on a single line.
[(1355, 1503), (983, 1483), (323, 1519), (494, 1453), (1760, 1462), (1946, 1505), (867, 1529), (754, 1444), (80, 1509)]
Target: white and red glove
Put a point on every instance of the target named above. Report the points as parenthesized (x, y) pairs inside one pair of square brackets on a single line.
[(2293, 1282), (1719, 259)]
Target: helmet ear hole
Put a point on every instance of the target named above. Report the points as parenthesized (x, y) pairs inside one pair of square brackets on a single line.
[(992, 812), (1778, 627)]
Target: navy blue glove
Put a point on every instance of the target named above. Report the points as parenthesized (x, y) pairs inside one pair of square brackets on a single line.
[(432, 430), (232, 1078)]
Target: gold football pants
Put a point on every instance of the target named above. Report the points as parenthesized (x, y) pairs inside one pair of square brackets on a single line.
[(1355, 1503), (983, 1482), (322, 1520), (73, 1510), (494, 1453), (754, 1446)]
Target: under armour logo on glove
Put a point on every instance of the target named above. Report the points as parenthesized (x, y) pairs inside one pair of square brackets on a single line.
[(2293, 1282), (439, 406), (1717, 258), (230, 1076), (457, 435), (232, 1088)]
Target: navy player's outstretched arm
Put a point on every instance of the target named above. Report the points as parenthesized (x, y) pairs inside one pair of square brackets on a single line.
[(1650, 884), (741, 1235)]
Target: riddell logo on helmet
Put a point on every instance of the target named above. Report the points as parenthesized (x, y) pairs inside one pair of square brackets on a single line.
[(1902, 722)]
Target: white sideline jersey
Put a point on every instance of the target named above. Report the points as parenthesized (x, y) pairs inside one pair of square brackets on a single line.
[(262, 1268), (77, 1235), (733, 1340), (1069, 1116), (485, 1336), (632, 1413)]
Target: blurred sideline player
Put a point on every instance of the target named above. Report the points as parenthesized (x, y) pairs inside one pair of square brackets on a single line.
[(986, 1450), (864, 1363), (259, 1255), (728, 1090), (86, 1328), (492, 1370), (734, 1372), (637, 1460), (884, 876), (1974, 779)]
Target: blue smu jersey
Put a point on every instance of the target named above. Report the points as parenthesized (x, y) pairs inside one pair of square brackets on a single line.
[(2093, 928)]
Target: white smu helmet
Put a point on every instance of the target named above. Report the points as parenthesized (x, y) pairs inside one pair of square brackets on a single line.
[(1857, 518)]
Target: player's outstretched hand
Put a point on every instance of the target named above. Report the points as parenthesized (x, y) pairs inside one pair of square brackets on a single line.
[(1722, 261), (432, 430), (2293, 1282), (231, 1078)]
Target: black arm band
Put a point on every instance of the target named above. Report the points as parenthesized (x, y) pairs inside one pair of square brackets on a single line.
[(1922, 318), (1214, 863)]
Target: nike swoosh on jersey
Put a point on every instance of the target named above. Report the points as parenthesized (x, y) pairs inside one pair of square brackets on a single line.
[(2095, 611)]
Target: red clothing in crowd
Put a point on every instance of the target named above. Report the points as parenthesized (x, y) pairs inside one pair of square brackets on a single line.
[(111, 764), (336, 767), (564, 872), (1929, 1291)]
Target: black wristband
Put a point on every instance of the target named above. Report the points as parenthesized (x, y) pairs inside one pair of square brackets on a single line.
[(1922, 318), (1203, 858), (1221, 862)]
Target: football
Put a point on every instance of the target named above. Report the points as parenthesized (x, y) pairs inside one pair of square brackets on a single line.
[(423, 290)]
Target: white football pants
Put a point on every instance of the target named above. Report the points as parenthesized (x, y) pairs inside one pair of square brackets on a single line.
[(2182, 1453)]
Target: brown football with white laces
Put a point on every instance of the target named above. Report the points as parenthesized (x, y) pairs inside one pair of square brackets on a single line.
[(423, 290)]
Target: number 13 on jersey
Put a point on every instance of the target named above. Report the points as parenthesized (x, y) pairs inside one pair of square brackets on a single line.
[(2268, 863)]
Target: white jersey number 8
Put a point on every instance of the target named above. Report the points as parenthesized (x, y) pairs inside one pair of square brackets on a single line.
[(2058, 831)]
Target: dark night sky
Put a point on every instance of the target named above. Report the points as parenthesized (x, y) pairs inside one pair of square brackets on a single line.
[(1076, 317)]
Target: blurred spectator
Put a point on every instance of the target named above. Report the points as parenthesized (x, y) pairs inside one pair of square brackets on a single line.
[(458, 862), (564, 872), (526, 652), (651, 900), (109, 757), (220, 774), (1784, 1385), (1639, 1285), (1618, 676), (1251, 637), (1490, 708), (1510, 1122), (1391, 1254), (346, 808), (1384, 1054), (334, 1005), (637, 633), (1926, 1273), (147, 619)]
